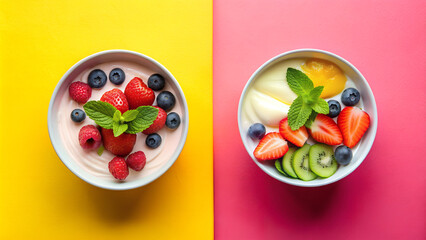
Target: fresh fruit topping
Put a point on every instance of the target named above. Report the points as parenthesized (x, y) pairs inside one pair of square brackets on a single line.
[(257, 131), (350, 97), (158, 122), (97, 78), (321, 160), (300, 164), (343, 155), (325, 130), (353, 122), (270, 147), (287, 162), (117, 76), (89, 137), (173, 120), (118, 168), (136, 160), (279, 167), (78, 115), (297, 137), (80, 92), (156, 82), (153, 140), (138, 93), (132, 121), (308, 101), (334, 107), (121, 145), (116, 98), (166, 100)]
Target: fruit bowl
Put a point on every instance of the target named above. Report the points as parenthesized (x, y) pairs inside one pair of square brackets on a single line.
[(92, 166), (354, 80)]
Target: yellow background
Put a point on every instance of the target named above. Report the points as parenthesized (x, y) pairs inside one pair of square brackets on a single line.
[(39, 197)]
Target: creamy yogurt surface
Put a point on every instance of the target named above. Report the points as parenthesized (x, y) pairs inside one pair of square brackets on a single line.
[(89, 160)]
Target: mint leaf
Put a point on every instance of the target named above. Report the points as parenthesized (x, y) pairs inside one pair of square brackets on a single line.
[(315, 93), (144, 119), (118, 128), (298, 114), (311, 119), (100, 112), (130, 115), (101, 150), (117, 116), (298, 82), (321, 106)]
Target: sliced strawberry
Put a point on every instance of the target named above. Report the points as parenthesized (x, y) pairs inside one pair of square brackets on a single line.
[(271, 146), (297, 137), (325, 130), (116, 98), (353, 122)]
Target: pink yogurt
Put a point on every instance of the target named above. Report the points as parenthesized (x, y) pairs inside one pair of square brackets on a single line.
[(89, 160)]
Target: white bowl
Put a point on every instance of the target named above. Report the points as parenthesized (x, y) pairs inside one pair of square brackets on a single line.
[(62, 88), (367, 102)]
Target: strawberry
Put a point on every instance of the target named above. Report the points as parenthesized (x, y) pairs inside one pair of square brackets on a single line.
[(297, 137), (353, 122), (138, 93), (325, 130), (121, 145), (158, 122), (270, 147), (118, 168), (116, 98)]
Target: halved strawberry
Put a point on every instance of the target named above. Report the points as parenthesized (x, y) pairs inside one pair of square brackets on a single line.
[(325, 130), (270, 147), (353, 122), (297, 137), (116, 98)]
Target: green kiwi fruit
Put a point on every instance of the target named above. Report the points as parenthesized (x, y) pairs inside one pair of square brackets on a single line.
[(301, 164), (286, 162), (322, 161)]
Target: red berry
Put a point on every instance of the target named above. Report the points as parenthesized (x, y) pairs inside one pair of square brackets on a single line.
[(118, 168), (158, 122), (138, 93), (89, 137), (325, 130), (136, 160), (117, 99), (121, 145), (297, 137), (80, 92), (353, 122), (270, 147)]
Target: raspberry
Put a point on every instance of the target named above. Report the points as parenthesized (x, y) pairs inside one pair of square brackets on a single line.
[(89, 137), (118, 168), (80, 92), (136, 160), (158, 122)]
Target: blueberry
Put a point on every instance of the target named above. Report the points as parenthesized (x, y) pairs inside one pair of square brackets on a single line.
[(117, 76), (350, 97), (97, 78), (78, 115), (343, 155), (172, 120), (153, 140), (334, 107), (156, 82), (166, 100), (257, 131)]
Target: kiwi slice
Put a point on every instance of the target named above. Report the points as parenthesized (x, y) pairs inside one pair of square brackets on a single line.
[(279, 168), (322, 161), (301, 164), (286, 162)]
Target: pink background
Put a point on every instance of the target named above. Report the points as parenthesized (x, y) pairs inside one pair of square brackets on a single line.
[(385, 198)]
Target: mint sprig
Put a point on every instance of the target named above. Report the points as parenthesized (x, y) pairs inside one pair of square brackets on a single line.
[(132, 121), (308, 104)]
